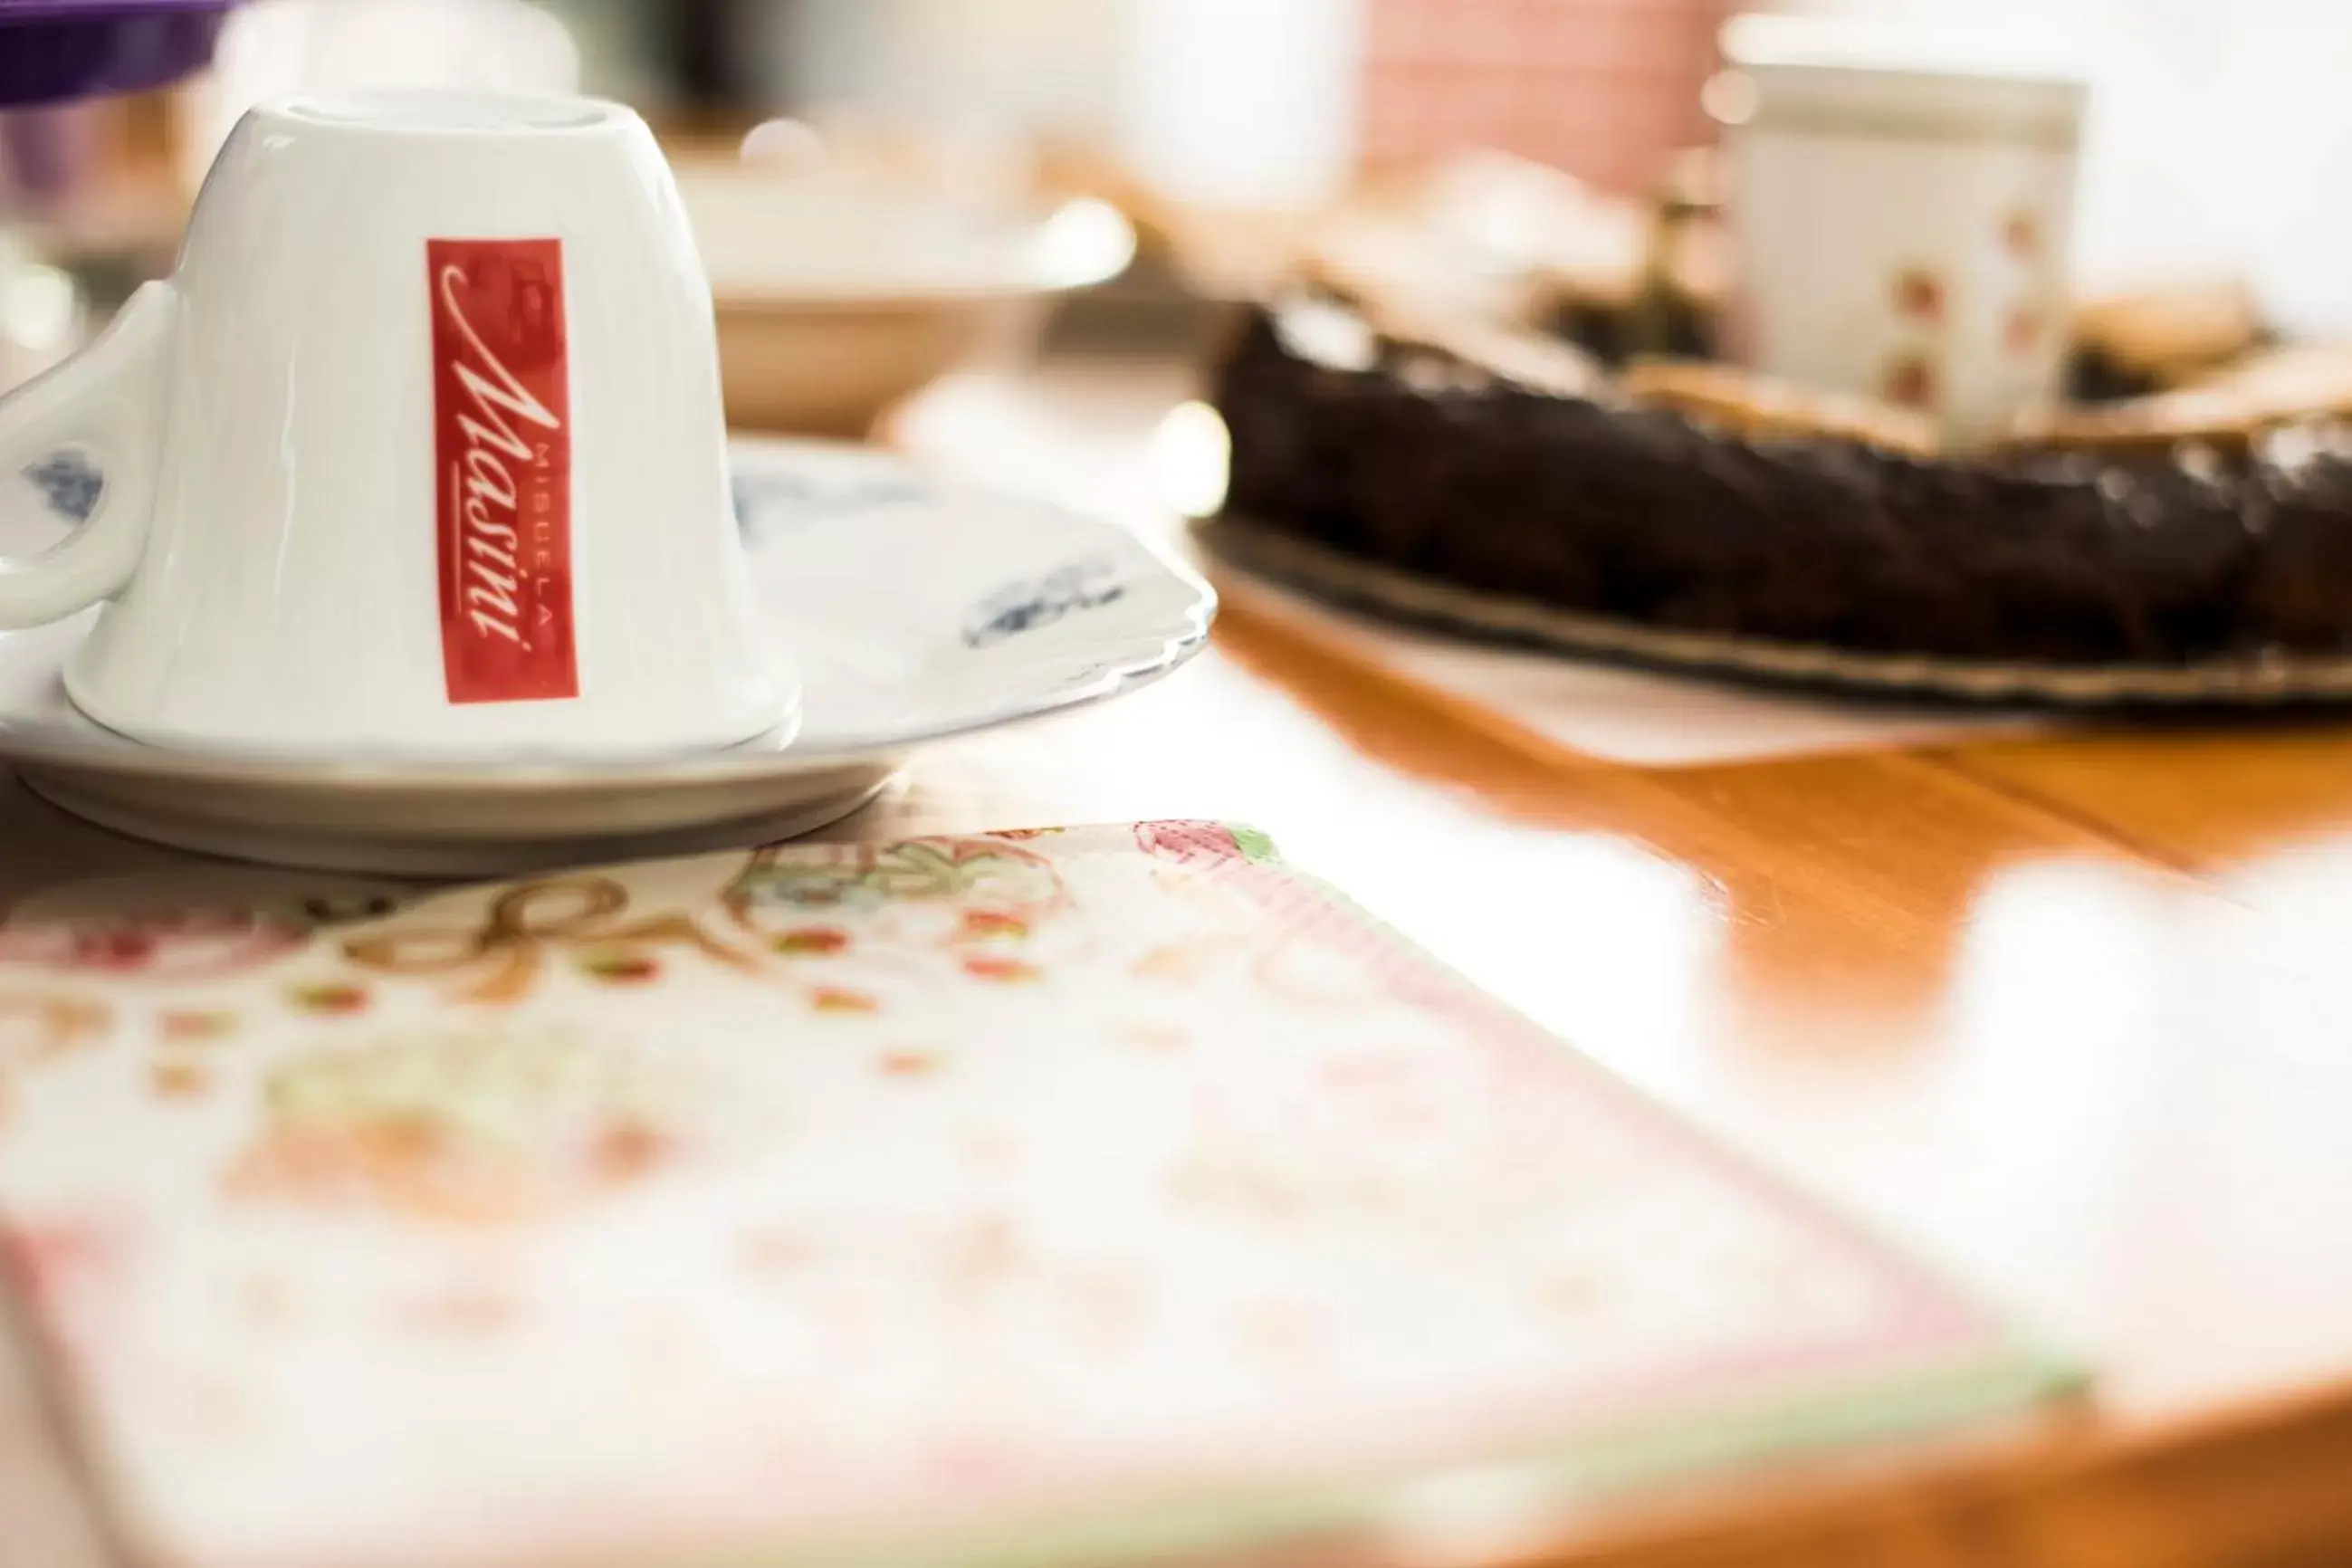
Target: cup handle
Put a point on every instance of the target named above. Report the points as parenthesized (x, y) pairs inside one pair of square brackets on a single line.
[(110, 398)]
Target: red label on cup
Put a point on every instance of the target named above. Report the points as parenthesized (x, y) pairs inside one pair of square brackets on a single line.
[(502, 443)]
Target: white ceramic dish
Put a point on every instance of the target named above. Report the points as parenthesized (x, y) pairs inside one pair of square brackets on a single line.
[(2252, 681), (917, 611), (837, 297), (389, 488)]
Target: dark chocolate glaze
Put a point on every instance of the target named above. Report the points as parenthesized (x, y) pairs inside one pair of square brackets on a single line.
[(1415, 458)]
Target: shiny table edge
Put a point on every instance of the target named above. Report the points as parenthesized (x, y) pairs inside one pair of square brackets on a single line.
[(2264, 1479)]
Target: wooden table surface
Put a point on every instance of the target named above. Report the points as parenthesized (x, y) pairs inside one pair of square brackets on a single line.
[(2071, 1014)]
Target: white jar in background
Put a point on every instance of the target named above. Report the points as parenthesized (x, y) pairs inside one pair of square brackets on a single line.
[(1222, 104), (1902, 204), (1241, 104)]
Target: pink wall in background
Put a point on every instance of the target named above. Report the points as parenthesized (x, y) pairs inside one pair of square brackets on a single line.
[(1607, 89)]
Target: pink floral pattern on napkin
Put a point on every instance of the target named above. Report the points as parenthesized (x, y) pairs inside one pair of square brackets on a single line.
[(972, 1189)]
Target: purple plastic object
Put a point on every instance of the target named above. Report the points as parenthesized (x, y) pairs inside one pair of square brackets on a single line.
[(45, 148), (54, 50)]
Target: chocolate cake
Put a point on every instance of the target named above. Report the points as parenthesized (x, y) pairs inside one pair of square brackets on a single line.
[(2205, 523)]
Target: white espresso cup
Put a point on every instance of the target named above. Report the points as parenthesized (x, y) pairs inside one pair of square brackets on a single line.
[(419, 451), (1901, 205)]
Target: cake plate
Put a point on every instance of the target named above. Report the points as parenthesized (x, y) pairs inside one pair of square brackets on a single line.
[(2261, 679)]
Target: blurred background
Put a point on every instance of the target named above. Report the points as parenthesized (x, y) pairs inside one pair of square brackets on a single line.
[(956, 181)]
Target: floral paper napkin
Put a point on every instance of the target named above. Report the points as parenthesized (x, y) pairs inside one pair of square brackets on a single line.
[(1013, 1198)]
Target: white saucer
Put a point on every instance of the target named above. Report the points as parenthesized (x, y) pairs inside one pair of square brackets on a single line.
[(917, 612)]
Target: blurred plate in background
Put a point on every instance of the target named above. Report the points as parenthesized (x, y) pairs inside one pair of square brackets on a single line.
[(841, 289)]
